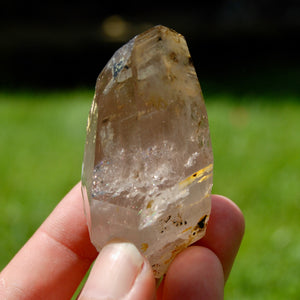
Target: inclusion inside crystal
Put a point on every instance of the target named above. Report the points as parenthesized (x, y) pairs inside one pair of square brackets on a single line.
[(147, 169)]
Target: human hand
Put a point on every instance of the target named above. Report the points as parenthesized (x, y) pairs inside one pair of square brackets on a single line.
[(53, 262)]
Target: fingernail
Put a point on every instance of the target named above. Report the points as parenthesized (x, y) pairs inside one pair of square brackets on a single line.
[(114, 272)]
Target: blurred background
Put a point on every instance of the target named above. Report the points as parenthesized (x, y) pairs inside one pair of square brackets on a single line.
[(247, 60), (66, 44)]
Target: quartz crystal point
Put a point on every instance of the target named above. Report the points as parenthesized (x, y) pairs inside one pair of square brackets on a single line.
[(147, 169)]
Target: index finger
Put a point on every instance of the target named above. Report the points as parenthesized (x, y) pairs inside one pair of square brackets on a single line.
[(224, 232), (59, 252)]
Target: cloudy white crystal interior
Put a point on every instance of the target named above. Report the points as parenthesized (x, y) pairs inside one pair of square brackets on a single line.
[(147, 169)]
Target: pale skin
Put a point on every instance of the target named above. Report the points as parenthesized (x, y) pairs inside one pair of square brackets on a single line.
[(53, 262)]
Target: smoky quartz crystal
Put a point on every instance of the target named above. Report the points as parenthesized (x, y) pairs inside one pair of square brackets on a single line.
[(148, 162)]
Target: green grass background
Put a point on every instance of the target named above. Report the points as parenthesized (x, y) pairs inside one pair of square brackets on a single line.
[(255, 137)]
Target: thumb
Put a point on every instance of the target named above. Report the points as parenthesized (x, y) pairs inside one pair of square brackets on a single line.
[(119, 272)]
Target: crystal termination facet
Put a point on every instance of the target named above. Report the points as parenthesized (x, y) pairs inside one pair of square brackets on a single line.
[(147, 168)]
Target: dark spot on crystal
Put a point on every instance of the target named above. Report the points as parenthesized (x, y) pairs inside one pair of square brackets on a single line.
[(117, 67), (185, 222), (201, 223), (159, 38), (173, 56), (105, 120), (190, 61), (195, 174), (126, 67), (168, 219), (149, 205)]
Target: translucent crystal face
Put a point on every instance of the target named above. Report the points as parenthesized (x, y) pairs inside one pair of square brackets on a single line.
[(147, 169)]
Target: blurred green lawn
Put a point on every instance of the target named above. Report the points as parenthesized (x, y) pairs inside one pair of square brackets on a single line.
[(256, 151)]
